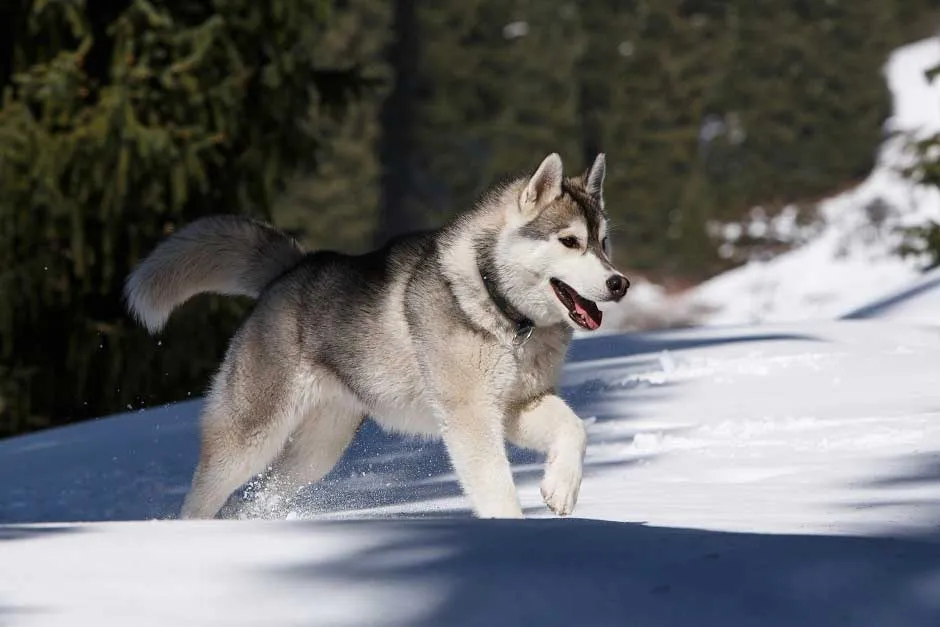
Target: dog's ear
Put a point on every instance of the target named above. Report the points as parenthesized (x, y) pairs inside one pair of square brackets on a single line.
[(544, 186), (594, 178)]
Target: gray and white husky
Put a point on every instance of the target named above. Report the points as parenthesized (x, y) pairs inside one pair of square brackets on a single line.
[(458, 333)]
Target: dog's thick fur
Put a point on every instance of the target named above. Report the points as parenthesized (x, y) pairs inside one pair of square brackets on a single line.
[(411, 335)]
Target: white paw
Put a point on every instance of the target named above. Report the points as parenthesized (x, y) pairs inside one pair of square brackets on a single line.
[(561, 483)]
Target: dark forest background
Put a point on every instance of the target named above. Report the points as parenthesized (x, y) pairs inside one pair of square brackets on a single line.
[(347, 122)]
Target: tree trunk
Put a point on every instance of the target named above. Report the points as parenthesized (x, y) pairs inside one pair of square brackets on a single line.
[(397, 213)]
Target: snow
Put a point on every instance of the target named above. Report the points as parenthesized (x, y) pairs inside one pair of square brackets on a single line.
[(786, 474), (851, 260)]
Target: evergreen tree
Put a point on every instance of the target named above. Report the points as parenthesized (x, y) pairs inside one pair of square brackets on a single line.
[(119, 122), (813, 102), (924, 239)]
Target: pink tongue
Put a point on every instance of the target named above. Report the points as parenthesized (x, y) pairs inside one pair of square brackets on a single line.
[(588, 319)]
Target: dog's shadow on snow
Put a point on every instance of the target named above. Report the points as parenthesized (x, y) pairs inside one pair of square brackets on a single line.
[(559, 573)]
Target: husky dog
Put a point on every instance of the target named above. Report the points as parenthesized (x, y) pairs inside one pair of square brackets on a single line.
[(458, 333)]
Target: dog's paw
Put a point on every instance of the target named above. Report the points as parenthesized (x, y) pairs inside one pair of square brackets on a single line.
[(561, 484)]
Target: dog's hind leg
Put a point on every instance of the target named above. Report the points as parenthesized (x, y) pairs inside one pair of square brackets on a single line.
[(227, 460), (316, 446), (245, 424)]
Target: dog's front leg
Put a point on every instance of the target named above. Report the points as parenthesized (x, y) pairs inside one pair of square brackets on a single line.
[(549, 426), (473, 435)]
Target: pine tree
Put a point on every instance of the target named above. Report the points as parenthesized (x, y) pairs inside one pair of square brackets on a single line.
[(805, 82), (120, 122), (921, 19), (923, 240)]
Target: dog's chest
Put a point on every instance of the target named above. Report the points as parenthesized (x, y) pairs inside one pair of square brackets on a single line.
[(531, 370)]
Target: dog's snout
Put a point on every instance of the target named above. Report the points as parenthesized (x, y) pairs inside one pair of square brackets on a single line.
[(618, 285)]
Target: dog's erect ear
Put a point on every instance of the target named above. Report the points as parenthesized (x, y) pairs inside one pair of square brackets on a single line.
[(594, 178), (544, 186)]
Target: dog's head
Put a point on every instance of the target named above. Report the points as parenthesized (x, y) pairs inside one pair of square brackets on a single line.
[(556, 253)]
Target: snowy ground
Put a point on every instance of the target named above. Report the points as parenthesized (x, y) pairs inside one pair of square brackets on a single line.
[(851, 260), (773, 475)]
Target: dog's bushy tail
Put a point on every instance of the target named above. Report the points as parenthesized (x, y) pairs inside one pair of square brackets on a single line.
[(223, 254)]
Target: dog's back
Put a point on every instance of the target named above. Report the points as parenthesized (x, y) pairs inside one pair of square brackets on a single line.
[(347, 313)]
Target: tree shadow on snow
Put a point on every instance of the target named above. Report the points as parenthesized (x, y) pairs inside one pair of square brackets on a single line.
[(9, 613), (911, 491), (25, 532), (558, 573), (881, 307), (634, 344)]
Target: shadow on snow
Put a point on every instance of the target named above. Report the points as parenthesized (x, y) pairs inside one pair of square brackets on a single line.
[(558, 573)]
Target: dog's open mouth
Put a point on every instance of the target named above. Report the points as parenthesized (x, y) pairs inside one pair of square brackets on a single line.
[(583, 311)]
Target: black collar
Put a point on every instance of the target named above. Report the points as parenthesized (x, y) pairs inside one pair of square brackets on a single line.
[(524, 324)]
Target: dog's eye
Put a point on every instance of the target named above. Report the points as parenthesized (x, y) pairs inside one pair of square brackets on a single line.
[(569, 241)]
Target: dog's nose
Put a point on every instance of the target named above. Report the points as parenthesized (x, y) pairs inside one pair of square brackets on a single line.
[(618, 285)]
